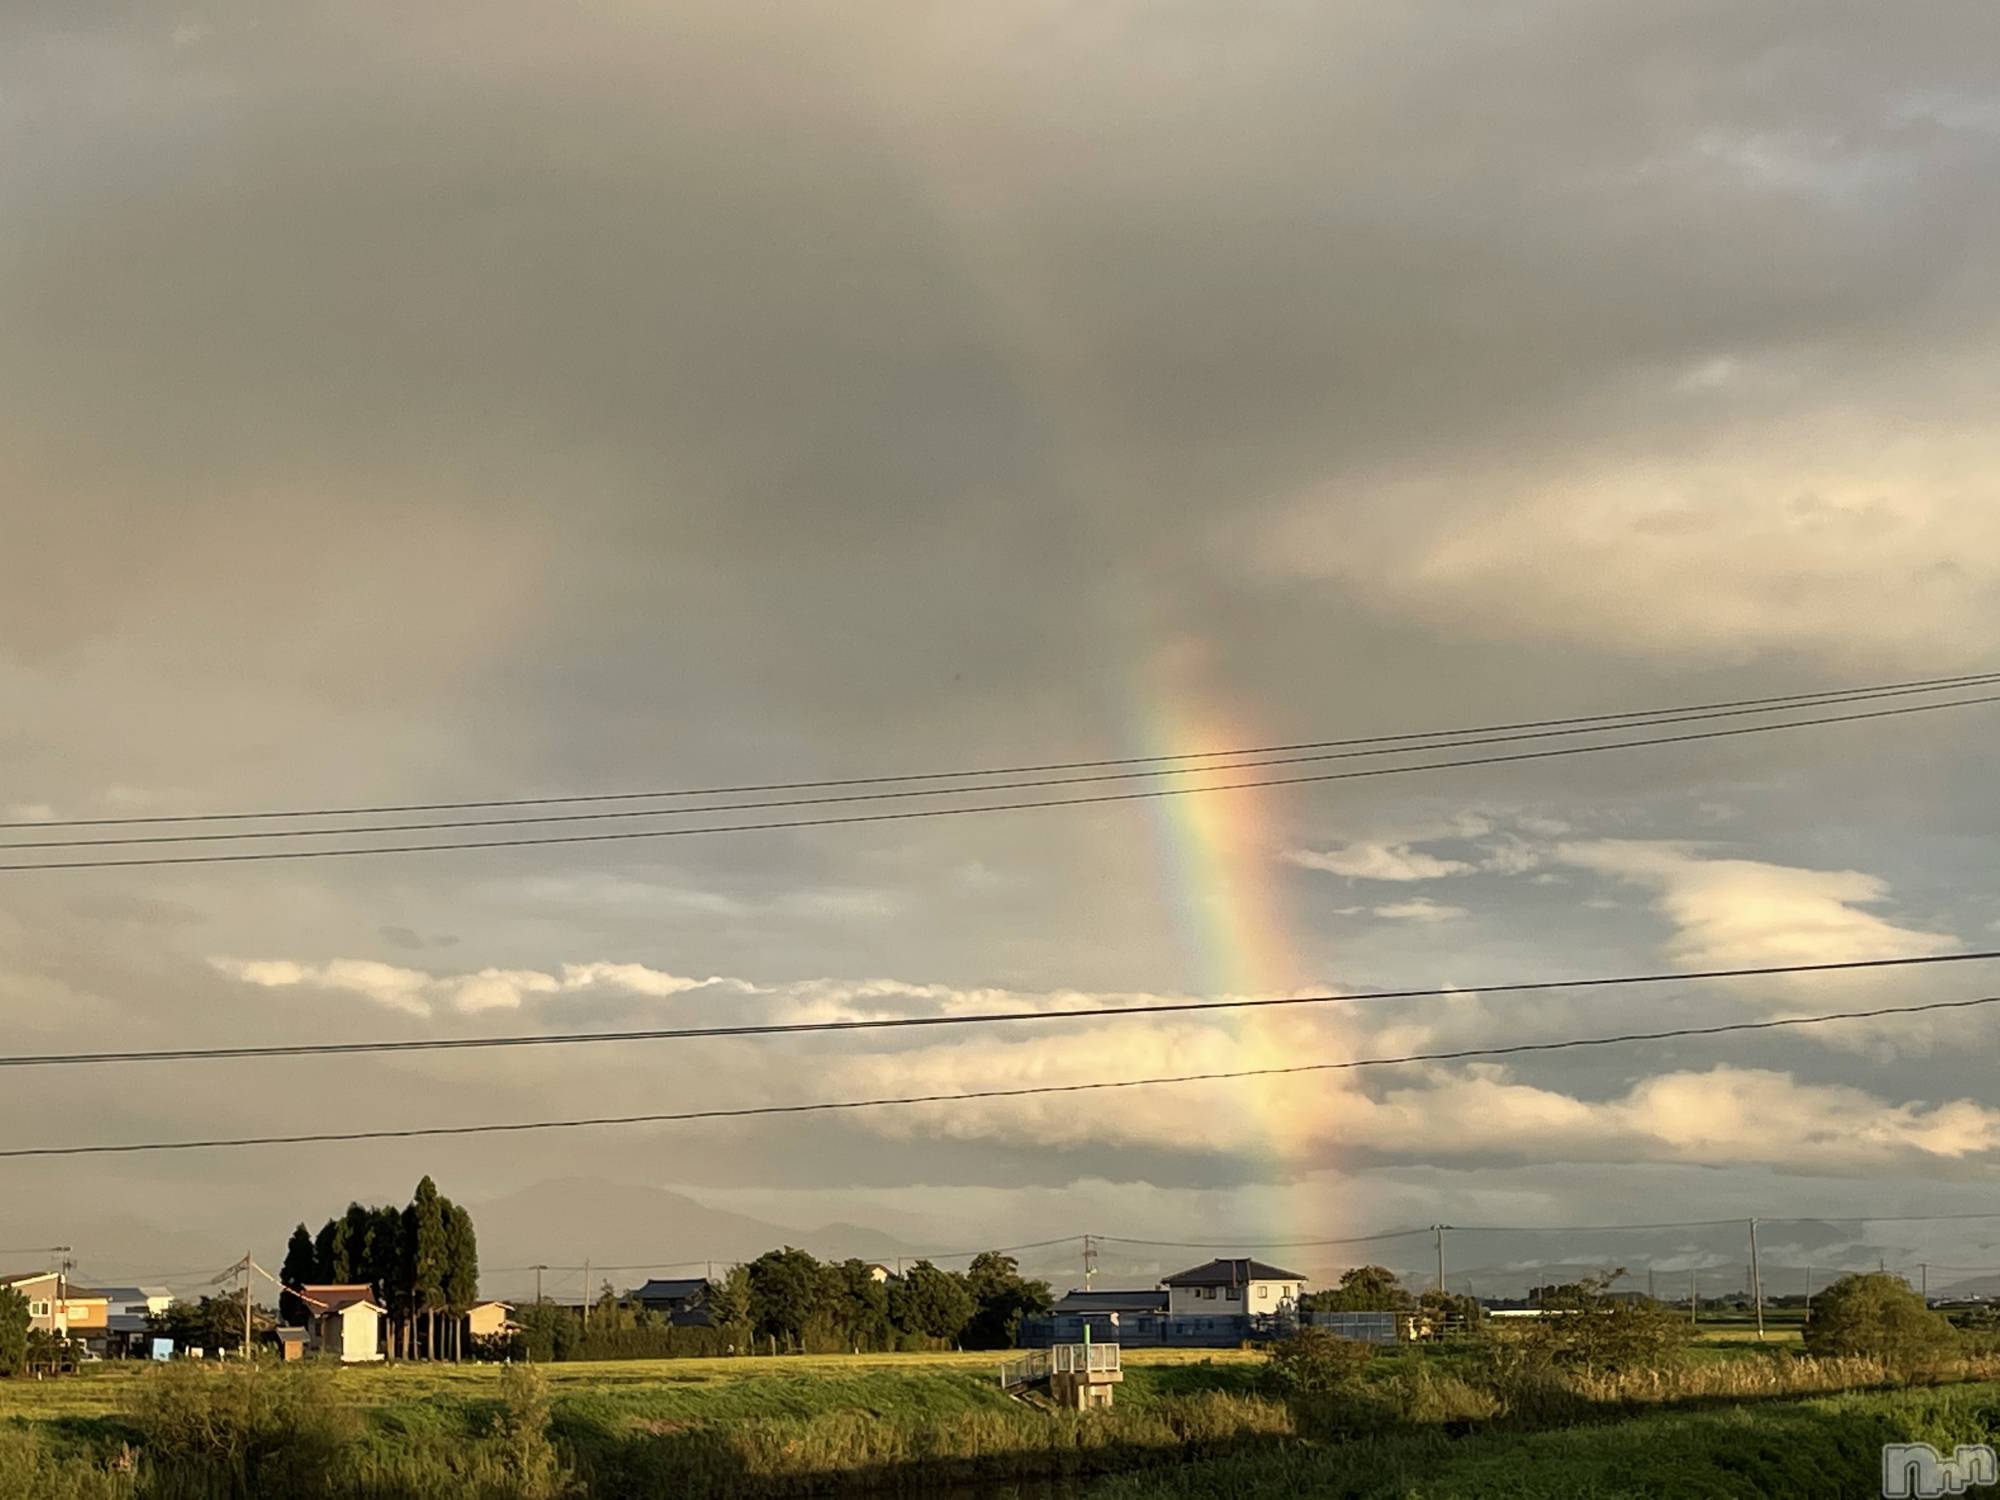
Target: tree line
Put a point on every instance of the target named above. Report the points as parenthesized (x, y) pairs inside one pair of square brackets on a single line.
[(420, 1261), (789, 1301)]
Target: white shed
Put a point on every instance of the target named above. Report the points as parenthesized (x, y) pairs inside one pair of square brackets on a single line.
[(343, 1322)]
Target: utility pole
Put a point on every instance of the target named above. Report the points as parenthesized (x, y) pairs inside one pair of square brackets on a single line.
[(1439, 1228), (538, 1280), (1089, 1262), (1808, 1291), (1694, 1301), (1924, 1270), (1652, 1290), (1756, 1281), (586, 1296)]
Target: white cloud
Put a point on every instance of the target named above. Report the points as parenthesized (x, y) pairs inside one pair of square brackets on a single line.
[(1722, 1115), (1421, 909), (420, 993), (1364, 861), (1860, 543), (1739, 913)]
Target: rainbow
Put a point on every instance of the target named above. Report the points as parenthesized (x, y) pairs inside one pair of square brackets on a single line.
[(1219, 874), (1218, 855)]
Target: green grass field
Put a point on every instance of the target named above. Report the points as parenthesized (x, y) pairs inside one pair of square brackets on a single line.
[(1190, 1424)]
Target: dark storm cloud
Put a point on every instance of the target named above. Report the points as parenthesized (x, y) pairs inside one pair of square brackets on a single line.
[(504, 399)]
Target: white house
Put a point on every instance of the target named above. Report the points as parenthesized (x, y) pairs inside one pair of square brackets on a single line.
[(343, 1321), (1234, 1288)]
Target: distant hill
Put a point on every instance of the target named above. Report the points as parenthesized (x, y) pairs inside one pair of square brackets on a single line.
[(564, 1222)]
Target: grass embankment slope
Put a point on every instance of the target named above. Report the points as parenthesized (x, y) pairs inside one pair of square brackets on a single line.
[(1731, 1420), (1819, 1448)]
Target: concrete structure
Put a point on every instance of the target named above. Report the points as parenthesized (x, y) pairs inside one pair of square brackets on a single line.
[(344, 1322), (1234, 1288), (1078, 1377)]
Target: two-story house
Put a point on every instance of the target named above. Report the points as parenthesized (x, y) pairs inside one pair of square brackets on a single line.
[(1234, 1288)]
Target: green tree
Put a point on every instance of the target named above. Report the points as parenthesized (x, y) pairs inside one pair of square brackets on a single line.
[(360, 1226), (381, 1265), (13, 1331), (1001, 1298), (424, 1251), (1878, 1316), (330, 1250), (729, 1302), (1363, 1289), (461, 1278), (1583, 1325), (1313, 1361), (1442, 1308), (854, 1306), (931, 1303), (301, 1266), (784, 1293)]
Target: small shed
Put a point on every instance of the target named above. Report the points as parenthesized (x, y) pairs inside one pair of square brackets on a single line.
[(292, 1343), (343, 1320)]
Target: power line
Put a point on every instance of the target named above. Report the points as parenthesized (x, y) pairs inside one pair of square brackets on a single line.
[(1095, 799), (836, 1105), (975, 1018), (1934, 684), (1352, 1239), (1237, 763), (675, 1265)]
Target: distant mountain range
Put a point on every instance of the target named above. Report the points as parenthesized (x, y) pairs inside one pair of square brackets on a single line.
[(610, 1224)]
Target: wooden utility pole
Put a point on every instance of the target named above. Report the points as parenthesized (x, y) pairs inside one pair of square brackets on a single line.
[(1756, 1281), (1439, 1229)]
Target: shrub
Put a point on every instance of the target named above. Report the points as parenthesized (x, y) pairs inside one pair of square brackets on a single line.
[(1879, 1317), (1583, 1327), (279, 1432), (534, 1469), (13, 1331), (1312, 1361)]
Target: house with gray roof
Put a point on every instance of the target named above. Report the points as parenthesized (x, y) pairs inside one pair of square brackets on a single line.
[(1239, 1287)]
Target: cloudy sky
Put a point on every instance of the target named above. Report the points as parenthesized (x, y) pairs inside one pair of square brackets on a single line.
[(504, 400)]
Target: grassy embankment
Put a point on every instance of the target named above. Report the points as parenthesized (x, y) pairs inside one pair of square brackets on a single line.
[(1434, 1424)]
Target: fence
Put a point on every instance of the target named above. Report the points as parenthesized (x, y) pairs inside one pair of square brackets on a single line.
[(1153, 1330)]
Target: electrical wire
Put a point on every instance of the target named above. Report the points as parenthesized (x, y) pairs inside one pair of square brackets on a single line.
[(841, 1105), (904, 794), (975, 1018), (1095, 799), (1932, 684)]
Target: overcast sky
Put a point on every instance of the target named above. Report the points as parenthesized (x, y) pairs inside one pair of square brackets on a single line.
[(505, 399)]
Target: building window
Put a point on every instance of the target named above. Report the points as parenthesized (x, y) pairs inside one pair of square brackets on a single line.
[(38, 1309), (1236, 1294)]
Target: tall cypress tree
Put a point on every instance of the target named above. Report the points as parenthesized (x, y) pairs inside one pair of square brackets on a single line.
[(301, 1264), (330, 1233), (382, 1268), (425, 1255), (352, 1261), (461, 1282)]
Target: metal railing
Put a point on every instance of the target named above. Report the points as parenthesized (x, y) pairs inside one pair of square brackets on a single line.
[(1031, 1369), (1038, 1365), (1084, 1359)]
